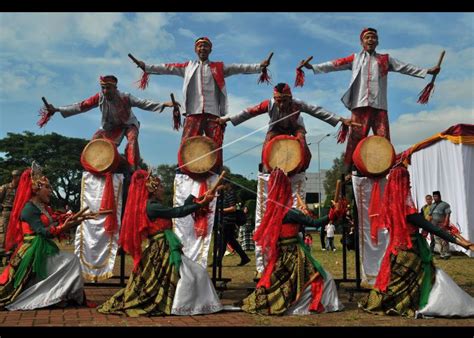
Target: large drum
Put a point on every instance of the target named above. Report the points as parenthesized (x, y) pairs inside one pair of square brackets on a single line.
[(197, 156), (284, 152), (100, 156), (374, 156)]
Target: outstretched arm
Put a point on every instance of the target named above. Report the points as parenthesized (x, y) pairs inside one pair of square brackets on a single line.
[(249, 113), (332, 66), (406, 68), (319, 112), (296, 216), (148, 104), (156, 210), (242, 68), (77, 108), (166, 68), (419, 220)]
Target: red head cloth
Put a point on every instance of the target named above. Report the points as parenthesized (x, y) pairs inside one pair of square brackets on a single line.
[(203, 39), (108, 79), (282, 89), (368, 30)]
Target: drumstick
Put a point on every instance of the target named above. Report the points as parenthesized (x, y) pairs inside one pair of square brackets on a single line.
[(173, 100), (79, 213), (218, 182), (305, 62), (45, 102), (270, 57), (135, 60)]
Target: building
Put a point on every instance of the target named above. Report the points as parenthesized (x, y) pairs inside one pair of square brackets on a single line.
[(314, 188)]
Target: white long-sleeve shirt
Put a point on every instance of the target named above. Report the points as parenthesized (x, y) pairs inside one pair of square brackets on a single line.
[(368, 85), (115, 112), (296, 120), (204, 85)]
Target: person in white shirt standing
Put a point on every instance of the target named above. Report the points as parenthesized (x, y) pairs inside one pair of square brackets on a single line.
[(204, 91), (330, 229), (367, 93)]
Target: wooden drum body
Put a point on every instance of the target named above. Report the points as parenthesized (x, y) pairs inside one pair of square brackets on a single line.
[(374, 156)]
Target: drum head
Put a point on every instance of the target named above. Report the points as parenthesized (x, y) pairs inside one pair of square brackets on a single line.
[(376, 154), (198, 155), (99, 154), (284, 153)]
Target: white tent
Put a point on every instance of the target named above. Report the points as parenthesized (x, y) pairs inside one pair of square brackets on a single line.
[(445, 162)]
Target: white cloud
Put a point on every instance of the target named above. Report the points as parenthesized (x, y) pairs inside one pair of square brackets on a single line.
[(187, 33), (211, 17), (413, 127)]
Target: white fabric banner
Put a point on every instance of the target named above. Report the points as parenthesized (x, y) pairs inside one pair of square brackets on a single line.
[(195, 248), (370, 254), (95, 248), (298, 185), (449, 168)]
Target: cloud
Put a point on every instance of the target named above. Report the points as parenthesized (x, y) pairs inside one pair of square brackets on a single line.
[(211, 17), (413, 127), (187, 33)]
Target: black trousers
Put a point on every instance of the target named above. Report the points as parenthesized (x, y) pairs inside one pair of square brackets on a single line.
[(229, 238)]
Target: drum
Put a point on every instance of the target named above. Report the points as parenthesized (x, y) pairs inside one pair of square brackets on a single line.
[(197, 156), (284, 152), (374, 156), (100, 156)]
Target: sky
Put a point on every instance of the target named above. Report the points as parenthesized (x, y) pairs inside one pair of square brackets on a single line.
[(61, 55)]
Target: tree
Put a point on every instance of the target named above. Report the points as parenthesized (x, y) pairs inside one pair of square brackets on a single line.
[(167, 173), (332, 175), (58, 155)]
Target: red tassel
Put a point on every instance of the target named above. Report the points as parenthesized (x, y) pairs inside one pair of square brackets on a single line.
[(45, 117), (342, 133), (374, 212), (143, 82), (264, 77), (200, 216), (299, 82), (176, 119), (425, 94), (108, 203)]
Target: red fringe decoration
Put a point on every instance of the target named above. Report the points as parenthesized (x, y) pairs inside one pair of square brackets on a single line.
[(14, 233), (45, 117), (108, 203), (135, 222), (200, 216), (374, 212), (342, 133), (425, 94), (396, 205), (317, 287), (299, 82), (144, 80), (278, 203), (176, 119), (264, 77)]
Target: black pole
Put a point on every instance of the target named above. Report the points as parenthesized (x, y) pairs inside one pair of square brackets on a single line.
[(344, 235), (357, 249)]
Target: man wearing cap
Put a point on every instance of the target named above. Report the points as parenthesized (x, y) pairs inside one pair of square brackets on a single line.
[(285, 117), (7, 197), (367, 93), (118, 119), (204, 90)]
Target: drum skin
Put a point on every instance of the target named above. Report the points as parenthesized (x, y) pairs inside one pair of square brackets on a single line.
[(284, 152), (100, 156), (197, 155)]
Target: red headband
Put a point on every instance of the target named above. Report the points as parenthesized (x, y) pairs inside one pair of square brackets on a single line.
[(286, 91), (367, 30), (103, 80), (203, 39)]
